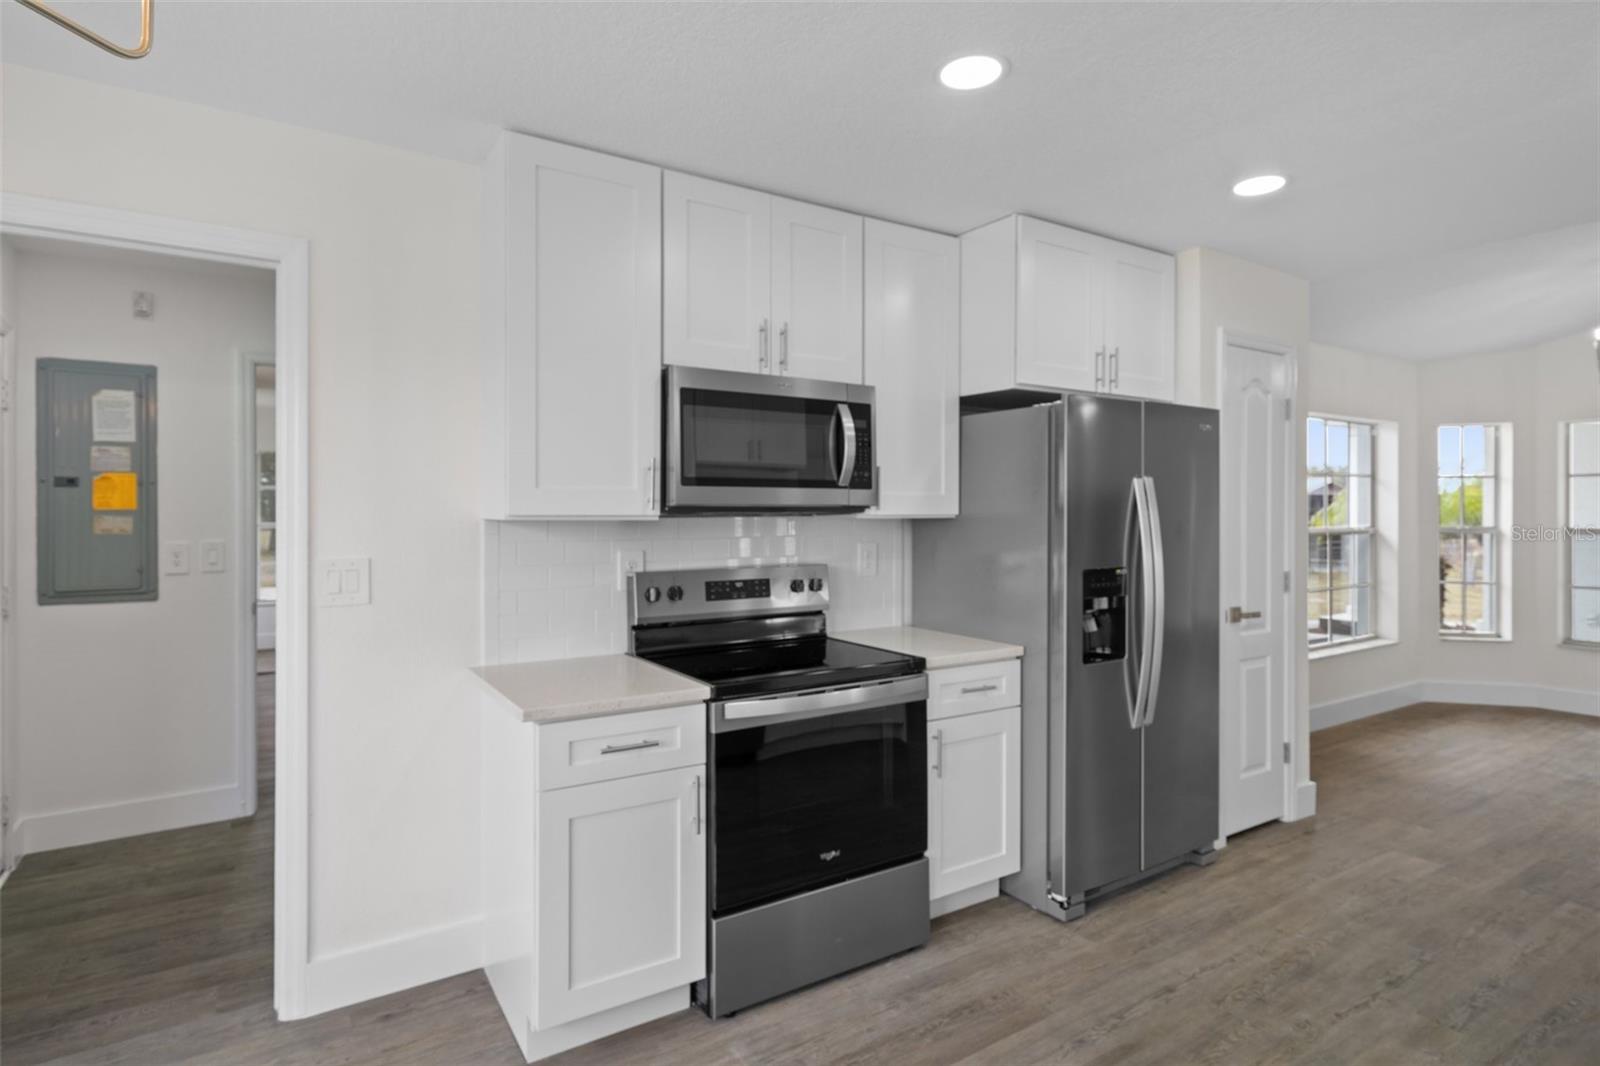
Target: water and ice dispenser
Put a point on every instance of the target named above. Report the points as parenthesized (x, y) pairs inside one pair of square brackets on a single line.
[(1105, 622)]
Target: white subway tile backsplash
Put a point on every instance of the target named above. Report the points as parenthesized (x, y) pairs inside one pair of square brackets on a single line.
[(551, 586)]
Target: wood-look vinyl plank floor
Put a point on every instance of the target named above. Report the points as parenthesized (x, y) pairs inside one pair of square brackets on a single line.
[(1443, 907)]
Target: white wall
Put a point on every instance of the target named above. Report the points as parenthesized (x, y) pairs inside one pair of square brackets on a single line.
[(394, 321), (550, 588), (127, 713), (1533, 390)]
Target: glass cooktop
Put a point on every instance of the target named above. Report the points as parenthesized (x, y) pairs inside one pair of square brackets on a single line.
[(765, 667)]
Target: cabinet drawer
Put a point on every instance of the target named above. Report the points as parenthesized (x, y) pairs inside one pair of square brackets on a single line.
[(621, 745), (965, 689)]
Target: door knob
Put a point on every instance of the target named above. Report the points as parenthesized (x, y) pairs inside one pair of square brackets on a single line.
[(1239, 614)]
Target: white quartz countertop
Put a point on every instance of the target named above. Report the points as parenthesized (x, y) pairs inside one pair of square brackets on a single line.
[(939, 649), (563, 689)]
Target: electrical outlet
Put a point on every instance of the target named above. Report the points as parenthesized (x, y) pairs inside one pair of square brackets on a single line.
[(628, 562), (175, 557), (867, 558)]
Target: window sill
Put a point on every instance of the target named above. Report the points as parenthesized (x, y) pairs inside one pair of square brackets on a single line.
[(1581, 645), (1351, 647), (1486, 638)]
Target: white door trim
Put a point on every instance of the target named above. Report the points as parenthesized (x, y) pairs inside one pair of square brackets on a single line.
[(244, 553), (289, 258), (1297, 785), (8, 577)]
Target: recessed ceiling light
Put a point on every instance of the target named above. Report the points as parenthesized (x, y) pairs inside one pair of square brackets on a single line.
[(1260, 185), (971, 72)]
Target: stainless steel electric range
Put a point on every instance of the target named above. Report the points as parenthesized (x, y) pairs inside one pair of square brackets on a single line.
[(818, 780)]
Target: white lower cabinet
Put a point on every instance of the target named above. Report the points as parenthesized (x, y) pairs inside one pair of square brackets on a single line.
[(974, 801), (595, 893)]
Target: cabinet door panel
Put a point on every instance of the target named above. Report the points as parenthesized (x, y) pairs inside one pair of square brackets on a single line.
[(582, 344), (912, 357), (1059, 314), (816, 291), (717, 281), (621, 885), (975, 800), (1139, 321)]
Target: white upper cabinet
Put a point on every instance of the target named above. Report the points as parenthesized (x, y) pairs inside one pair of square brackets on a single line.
[(1045, 306), (816, 291), (573, 341), (717, 275), (758, 283), (913, 359)]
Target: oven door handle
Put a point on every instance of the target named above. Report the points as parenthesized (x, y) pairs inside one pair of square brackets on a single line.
[(749, 714)]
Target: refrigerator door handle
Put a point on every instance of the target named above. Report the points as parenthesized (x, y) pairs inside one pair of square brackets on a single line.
[(1138, 537), (1157, 582)]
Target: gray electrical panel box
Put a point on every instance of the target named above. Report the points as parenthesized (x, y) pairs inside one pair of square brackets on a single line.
[(97, 482)]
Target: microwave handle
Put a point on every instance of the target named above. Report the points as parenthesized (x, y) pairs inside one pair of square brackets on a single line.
[(847, 466)]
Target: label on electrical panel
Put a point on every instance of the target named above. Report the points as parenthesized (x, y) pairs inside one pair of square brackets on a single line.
[(104, 457), (114, 525), (116, 491)]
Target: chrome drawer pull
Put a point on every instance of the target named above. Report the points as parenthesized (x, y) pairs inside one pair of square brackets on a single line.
[(978, 688), (612, 749)]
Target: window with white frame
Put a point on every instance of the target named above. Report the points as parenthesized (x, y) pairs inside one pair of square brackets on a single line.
[(1469, 529), (1583, 532), (1339, 572)]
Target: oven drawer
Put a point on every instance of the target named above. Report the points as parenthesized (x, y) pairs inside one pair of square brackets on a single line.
[(966, 689), (621, 745)]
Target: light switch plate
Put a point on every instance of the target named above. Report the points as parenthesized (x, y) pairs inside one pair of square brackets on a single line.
[(867, 558), (344, 582), (213, 556), (175, 557), (628, 562)]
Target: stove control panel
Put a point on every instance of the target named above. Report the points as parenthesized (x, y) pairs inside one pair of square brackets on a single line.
[(752, 591)]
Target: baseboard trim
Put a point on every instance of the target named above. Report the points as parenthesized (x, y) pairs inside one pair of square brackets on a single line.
[(1482, 693), (113, 821), (346, 977)]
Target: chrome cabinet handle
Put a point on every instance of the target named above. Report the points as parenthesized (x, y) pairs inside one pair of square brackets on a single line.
[(762, 335), (978, 688), (1239, 614), (699, 821), (783, 349), (938, 753), (1116, 368), (650, 486), (612, 749), (1099, 369)]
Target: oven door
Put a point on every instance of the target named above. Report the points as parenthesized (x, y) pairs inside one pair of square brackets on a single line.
[(814, 788), (763, 443)]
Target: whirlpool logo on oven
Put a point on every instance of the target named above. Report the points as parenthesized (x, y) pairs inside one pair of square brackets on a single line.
[(829, 856)]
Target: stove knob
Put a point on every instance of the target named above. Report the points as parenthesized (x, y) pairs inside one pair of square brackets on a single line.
[(816, 584), (675, 593), (652, 594), (797, 585)]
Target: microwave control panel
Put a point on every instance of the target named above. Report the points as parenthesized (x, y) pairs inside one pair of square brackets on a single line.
[(861, 476)]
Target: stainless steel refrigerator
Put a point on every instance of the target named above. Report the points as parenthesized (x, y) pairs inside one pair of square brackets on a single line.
[(1088, 535)]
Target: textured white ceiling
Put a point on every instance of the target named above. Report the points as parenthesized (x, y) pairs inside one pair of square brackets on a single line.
[(1409, 131)]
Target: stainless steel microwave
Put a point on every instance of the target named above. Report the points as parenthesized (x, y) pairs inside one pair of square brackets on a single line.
[(764, 444)]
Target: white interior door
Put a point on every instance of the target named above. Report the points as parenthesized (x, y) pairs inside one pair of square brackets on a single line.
[(816, 291), (716, 275), (1253, 577)]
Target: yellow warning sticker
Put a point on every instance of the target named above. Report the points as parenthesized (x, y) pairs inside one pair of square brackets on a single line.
[(116, 491)]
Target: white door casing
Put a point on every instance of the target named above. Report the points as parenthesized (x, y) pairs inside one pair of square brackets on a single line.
[(1254, 576)]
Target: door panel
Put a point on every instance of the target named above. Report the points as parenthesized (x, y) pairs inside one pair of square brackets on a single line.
[(1139, 322), (1180, 743), (1255, 388), (717, 270), (912, 357), (1103, 439), (816, 292), (974, 800), (621, 890), (1059, 310)]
